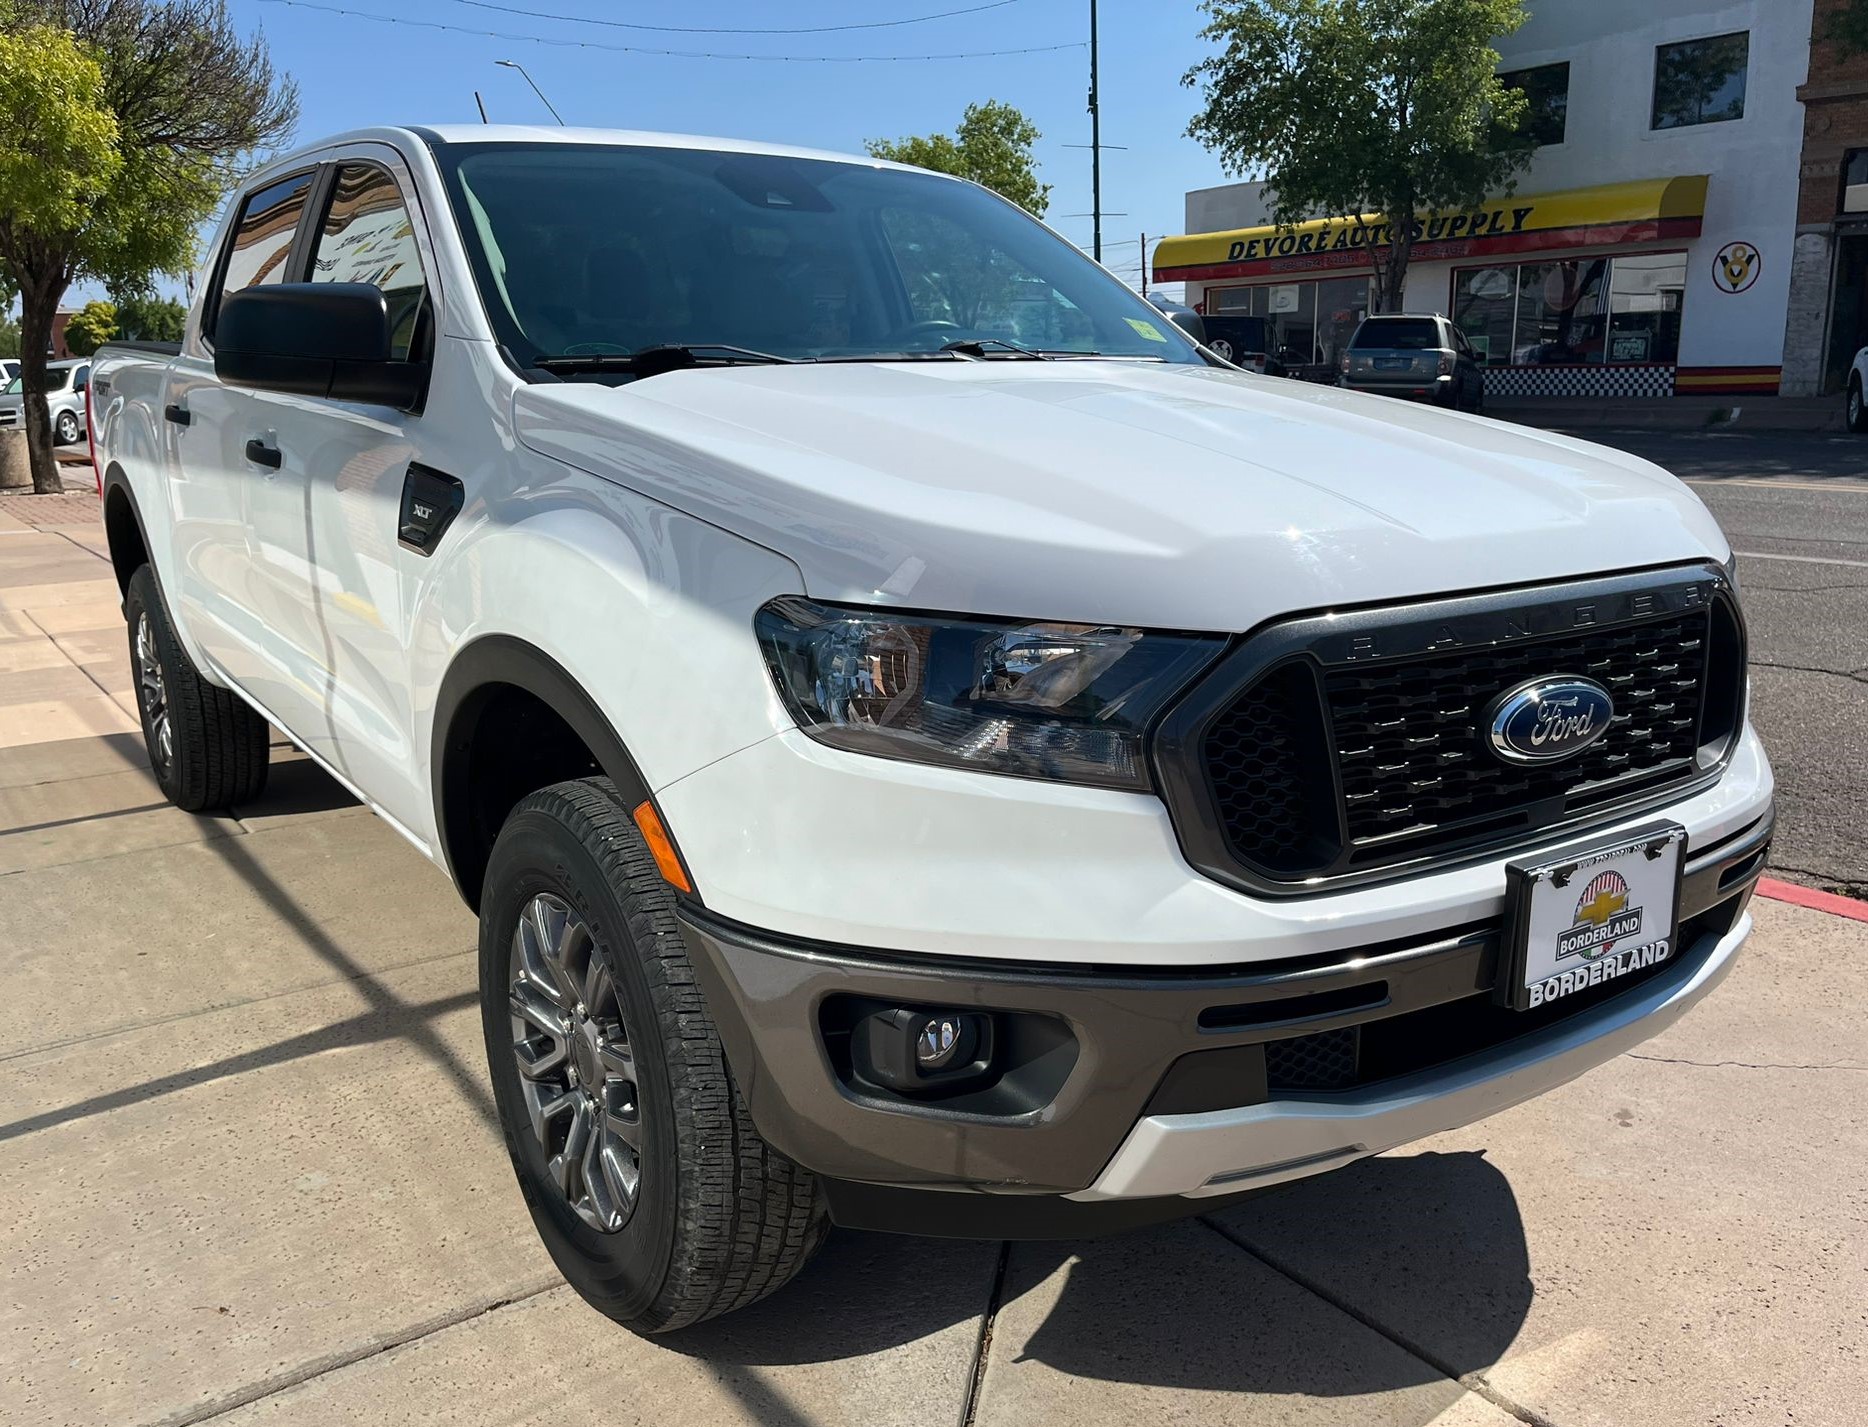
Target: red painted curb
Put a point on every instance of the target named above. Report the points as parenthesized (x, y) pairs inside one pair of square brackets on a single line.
[(1810, 897)]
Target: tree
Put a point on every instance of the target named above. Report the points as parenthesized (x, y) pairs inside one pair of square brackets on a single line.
[(144, 317), (122, 122), (9, 337), (992, 146), (90, 327), (1353, 107)]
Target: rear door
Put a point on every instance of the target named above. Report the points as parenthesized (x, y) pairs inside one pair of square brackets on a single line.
[(228, 608)]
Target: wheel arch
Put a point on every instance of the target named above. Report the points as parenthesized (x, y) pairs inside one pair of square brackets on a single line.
[(123, 530), (503, 685)]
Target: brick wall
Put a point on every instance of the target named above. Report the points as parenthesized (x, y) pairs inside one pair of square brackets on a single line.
[(1835, 118)]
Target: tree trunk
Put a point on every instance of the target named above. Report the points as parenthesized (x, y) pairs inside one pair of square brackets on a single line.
[(38, 305), (1391, 267)]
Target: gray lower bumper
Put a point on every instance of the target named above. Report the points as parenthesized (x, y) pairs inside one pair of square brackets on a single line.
[(1224, 1151)]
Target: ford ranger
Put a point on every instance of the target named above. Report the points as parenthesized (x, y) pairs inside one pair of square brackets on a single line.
[(930, 747)]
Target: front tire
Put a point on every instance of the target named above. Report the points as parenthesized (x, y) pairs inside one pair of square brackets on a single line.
[(645, 1178), (1856, 410), (207, 748)]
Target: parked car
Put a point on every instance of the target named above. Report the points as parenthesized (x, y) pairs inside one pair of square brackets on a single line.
[(1245, 342), (1422, 355), (1855, 407), (907, 778), (67, 388), (9, 368)]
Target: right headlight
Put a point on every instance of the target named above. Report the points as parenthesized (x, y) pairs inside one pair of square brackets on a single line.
[(1066, 702)]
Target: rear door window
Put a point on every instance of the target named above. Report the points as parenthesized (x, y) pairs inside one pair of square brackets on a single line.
[(1400, 334), (261, 245)]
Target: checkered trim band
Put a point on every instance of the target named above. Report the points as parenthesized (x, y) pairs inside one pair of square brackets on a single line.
[(1645, 379)]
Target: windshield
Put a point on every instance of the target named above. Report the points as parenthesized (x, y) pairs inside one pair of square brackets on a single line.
[(593, 250), (12, 388), (1399, 334)]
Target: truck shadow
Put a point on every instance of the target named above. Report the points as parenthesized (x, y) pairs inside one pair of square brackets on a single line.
[(1427, 1250)]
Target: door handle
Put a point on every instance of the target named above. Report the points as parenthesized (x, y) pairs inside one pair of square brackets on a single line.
[(260, 454), (177, 414)]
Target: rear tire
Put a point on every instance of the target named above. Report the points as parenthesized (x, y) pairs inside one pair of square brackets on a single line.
[(1855, 411), (65, 428), (207, 748), (645, 1178)]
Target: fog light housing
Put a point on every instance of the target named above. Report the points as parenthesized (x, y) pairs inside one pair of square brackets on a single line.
[(916, 1051)]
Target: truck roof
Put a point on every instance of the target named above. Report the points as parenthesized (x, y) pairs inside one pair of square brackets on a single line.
[(437, 134)]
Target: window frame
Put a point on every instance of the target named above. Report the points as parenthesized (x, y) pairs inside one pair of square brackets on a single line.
[(295, 254), (1562, 64), (1843, 185), (1653, 107)]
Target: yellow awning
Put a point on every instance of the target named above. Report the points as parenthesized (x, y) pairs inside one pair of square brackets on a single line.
[(1647, 210)]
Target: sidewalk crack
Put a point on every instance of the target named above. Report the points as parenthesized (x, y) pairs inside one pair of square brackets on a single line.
[(1473, 1382), (1742, 1064), (982, 1348)]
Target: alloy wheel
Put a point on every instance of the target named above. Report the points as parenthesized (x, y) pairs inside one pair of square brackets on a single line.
[(66, 430), (577, 1069), (154, 693)]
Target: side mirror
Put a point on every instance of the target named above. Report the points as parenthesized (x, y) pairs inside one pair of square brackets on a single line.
[(327, 339), (1190, 322)]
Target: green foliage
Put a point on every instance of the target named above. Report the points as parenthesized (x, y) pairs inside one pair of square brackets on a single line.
[(121, 124), (1344, 107), (90, 327), (144, 317), (992, 146), (9, 337)]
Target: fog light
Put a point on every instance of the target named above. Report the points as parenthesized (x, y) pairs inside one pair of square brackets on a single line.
[(918, 1051)]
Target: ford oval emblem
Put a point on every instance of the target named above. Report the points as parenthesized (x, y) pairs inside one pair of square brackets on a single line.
[(1548, 719)]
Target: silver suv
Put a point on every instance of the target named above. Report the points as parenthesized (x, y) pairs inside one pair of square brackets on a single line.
[(1414, 354), (67, 384)]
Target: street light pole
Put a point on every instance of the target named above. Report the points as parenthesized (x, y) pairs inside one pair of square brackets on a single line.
[(514, 64), (1096, 149)]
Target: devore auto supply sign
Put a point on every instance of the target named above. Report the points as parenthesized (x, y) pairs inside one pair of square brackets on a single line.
[(1597, 919)]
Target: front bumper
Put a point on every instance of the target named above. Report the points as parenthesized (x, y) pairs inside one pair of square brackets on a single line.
[(1152, 1086)]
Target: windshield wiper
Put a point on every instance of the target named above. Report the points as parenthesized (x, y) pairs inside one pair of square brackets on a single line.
[(976, 347), (664, 357)]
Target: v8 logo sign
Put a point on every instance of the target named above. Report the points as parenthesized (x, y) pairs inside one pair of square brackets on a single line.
[(1735, 266)]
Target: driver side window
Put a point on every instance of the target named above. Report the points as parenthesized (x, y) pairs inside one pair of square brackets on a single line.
[(368, 236)]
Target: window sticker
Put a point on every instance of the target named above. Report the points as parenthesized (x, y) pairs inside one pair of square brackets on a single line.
[(1146, 328)]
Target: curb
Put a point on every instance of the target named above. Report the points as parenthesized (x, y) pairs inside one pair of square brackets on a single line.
[(1809, 897)]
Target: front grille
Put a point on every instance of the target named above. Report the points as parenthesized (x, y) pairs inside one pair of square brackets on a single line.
[(1412, 744), (1333, 749)]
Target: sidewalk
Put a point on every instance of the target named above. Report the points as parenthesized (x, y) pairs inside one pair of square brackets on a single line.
[(251, 1174)]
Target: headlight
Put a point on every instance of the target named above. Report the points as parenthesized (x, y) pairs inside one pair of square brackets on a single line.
[(1068, 702)]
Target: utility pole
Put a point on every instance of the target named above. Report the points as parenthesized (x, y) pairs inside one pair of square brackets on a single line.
[(1096, 149), (1141, 283), (514, 64)]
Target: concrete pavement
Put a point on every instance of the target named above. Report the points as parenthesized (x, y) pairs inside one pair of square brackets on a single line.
[(250, 1175)]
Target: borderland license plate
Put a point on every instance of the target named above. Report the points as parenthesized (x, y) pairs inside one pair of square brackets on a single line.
[(1592, 916)]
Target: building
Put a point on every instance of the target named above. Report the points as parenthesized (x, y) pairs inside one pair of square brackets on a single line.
[(1645, 250), (1828, 319)]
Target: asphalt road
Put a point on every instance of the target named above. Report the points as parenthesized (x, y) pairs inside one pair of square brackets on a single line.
[(1795, 507)]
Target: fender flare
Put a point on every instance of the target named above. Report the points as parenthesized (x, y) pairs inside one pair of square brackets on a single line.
[(477, 670), (116, 480)]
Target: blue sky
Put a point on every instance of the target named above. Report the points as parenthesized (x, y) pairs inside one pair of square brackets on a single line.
[(353, 72)]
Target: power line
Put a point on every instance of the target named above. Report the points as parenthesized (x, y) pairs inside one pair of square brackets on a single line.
[(675, 54), (733, 30)]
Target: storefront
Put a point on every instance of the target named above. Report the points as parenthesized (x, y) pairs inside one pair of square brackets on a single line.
[(1584, 292)]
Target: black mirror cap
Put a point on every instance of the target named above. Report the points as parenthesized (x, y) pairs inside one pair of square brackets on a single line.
[(1190, 322), (326, 339)]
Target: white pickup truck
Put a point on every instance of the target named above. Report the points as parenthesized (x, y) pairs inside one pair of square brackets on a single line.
[(929, 746)]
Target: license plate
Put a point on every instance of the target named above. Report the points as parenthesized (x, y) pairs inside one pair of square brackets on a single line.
[(1393, 364), (1592, 916)]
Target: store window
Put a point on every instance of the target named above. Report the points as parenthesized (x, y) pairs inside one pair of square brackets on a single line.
[(1546, 90), (1560, 313), (1306, 322), (1646, 291), (1603, 310), (1485, 304), (1701, 81), (1855, 181)]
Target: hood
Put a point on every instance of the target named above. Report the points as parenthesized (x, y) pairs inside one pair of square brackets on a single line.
[(1115, 492)]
